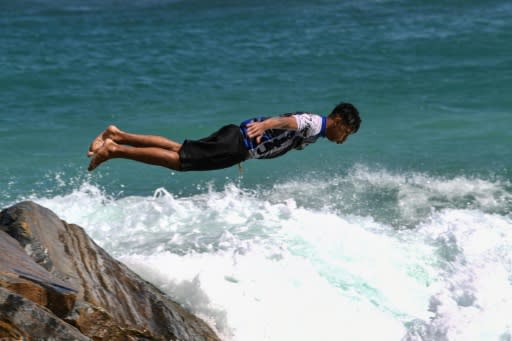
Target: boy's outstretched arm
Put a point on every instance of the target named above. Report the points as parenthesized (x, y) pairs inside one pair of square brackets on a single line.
[(257, 129)]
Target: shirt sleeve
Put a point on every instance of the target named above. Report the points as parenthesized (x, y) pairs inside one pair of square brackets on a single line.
[(308, 124)]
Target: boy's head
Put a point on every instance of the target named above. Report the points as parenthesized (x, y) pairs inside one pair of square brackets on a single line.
[(348, 114), (345, 120)]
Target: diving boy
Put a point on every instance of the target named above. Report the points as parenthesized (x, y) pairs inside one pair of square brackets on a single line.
[(257, 138)]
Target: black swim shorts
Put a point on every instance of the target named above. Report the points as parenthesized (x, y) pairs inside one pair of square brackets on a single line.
[(222, 149)]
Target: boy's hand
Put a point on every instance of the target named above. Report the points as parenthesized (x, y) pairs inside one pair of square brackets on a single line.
[(256, 130)]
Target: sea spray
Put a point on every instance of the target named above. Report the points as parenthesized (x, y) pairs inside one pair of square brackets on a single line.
[(289, 263), (473, 297)]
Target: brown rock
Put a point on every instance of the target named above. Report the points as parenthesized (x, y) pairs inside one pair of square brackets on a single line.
[(20, 318), (55, 270)]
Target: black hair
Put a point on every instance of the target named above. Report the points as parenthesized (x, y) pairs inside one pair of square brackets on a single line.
[(348, 114)]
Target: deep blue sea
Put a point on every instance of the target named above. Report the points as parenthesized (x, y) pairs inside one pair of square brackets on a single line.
[(402, 233)]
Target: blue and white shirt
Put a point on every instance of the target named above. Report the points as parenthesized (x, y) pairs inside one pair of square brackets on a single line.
[(276, 142)]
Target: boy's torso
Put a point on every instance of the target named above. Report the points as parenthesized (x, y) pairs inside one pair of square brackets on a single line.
[(276, 142)]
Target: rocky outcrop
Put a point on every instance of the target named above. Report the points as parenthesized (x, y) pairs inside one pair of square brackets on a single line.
[(57, 284)]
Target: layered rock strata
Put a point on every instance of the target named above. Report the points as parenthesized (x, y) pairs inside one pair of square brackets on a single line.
[(56, 283)]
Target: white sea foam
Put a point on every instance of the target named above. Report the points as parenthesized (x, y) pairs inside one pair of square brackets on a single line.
[(473, 299), (273, 267)]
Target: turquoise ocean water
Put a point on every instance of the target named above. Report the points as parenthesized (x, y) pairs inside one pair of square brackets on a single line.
[(402, 233)]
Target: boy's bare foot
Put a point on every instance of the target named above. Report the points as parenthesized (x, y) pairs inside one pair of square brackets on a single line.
[(98, 142), (102, 154)]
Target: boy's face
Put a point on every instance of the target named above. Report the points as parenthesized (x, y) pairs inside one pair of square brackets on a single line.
[(338, 132)]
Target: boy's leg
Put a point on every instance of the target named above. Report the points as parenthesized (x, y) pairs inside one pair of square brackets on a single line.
[(136, 140), (151, 155)]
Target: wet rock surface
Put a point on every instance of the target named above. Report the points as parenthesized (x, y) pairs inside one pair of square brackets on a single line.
[(56, 283)]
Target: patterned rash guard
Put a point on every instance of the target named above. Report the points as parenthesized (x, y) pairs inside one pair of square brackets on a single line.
[(276, 142)]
